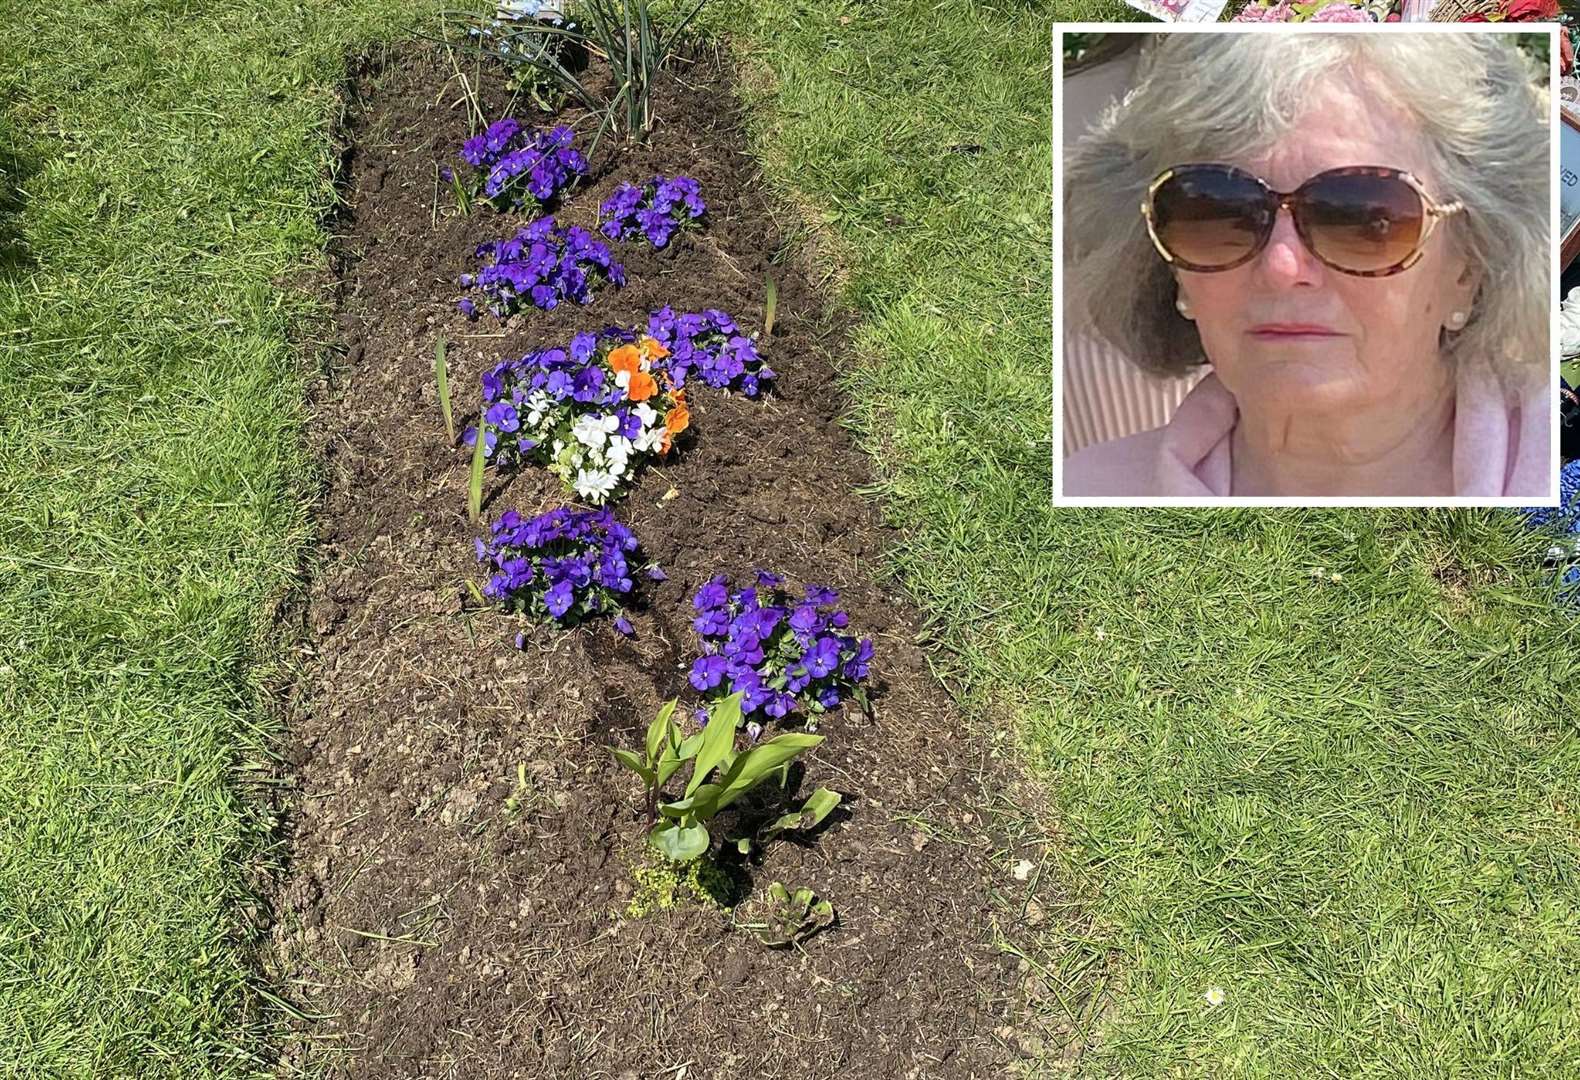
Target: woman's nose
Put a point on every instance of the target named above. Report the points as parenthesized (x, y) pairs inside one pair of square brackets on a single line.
[(1285, 260)]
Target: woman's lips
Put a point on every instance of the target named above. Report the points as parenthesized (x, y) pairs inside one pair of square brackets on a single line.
[(1292, 332)]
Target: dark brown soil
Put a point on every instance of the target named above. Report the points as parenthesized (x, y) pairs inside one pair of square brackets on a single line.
[(440, 918)]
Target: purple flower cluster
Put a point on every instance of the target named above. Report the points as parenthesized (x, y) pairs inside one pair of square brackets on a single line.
[(543, 263), (565, 564), (656, 210), (571, 374), (775, 652), (710, 343), (1565, 517), (543, 163)]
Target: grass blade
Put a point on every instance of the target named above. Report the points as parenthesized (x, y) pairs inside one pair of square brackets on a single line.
[(474, 494), (442, 379), (770, 305)]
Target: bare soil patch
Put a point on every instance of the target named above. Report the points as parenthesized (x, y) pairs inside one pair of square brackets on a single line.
[(438, 917)]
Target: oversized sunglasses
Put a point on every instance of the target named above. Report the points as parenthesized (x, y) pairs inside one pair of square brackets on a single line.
[(1364, 220)]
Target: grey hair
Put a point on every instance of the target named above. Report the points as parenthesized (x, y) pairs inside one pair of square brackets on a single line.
[(1204, 97)]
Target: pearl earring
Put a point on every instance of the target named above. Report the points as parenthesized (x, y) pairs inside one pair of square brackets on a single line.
[(1457, 320), (1182, 307)]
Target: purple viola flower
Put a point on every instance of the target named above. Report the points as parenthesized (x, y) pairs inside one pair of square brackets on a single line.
[(543, 264), (655, 211), (550, 564), (623, 626), (583, 346), (712, 622), (714, 593), (804, 619), (823, 657), (515, 164), (857, 667), (707, 672), (559, 599), (502, 415), (776, 654)]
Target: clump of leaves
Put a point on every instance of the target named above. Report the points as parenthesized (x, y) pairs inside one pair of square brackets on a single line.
[(662, 886), (720, 775), (624, 34), (786, 918)]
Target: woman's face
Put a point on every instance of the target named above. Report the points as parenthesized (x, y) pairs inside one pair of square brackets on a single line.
[(1285, 331)]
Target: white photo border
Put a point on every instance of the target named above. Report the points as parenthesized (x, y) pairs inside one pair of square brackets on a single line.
[(1057, 305)]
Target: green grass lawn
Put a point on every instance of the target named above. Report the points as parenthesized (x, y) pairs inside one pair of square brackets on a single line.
[(1350, 804), (173, 167), (1097, 11)]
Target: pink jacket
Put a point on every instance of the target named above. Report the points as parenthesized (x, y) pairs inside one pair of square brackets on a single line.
[(1502, 447)]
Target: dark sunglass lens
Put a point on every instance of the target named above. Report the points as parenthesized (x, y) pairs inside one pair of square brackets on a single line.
[(1210, 218), (1363, 223)]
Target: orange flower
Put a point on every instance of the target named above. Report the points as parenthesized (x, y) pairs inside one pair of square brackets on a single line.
[(663, 447), (641, 387), (654, 349), (626, 359), (677, 419)]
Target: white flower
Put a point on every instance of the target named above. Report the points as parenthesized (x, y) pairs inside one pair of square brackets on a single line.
[(645, 413), (594, 431), (649, 441), (1569, 323), (1214, 997), (594, 486), (538, 405)]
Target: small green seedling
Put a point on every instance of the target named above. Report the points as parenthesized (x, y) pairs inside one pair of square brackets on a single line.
[(789, 918), (680, 826), (769, 307), (474, 493), (442, 380), (513, 803)]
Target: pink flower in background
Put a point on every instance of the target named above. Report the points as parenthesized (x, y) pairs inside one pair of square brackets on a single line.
[(1340, 13), (1281, 12)]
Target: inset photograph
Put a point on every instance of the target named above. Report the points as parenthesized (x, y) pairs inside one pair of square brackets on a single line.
[(1306, 267)]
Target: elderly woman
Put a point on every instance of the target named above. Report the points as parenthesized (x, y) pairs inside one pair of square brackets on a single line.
[(1351, 231)]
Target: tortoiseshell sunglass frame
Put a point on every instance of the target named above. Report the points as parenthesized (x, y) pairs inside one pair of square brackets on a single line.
[(1432, 210)]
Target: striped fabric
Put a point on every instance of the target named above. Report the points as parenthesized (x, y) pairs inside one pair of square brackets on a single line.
[(1107, 397)]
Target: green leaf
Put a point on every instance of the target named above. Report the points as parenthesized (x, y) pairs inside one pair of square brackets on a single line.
[(768, 308), (680, 843), (675, 756), (474, 494), (635, 764), (717, 740), (758, 762), (818, 806), (658, 731), (440, 375), (701, 805), (727, 711)]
